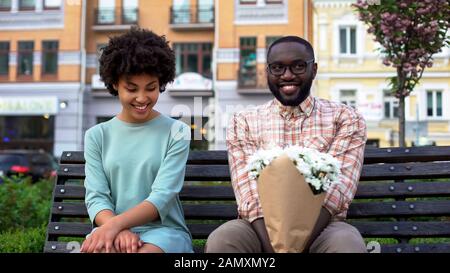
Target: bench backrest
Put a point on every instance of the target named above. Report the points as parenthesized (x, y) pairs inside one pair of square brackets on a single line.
[(403, 195)]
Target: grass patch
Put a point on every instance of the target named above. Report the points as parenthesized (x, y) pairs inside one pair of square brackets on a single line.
[(30, 240)]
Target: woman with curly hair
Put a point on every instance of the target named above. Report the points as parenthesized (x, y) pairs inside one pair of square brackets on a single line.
[(135, 162)]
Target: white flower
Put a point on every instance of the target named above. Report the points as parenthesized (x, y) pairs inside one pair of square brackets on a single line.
[(320, 170)]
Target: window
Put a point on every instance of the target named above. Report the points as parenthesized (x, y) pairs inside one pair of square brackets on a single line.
[(26, 127), (434, 103), (106, 12), (52, 4), (5, 5), (205, 11), (348, 97), (27, 4), (192, 57), (390, 105), (274, 1), (4, 58), (181, 12), (245, 2), (247, 62), (270, 40), (347, 40), (130, 12), (50, 57), (25, 58)]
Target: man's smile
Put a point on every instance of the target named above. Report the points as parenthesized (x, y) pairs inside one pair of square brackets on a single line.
[(289, 88)]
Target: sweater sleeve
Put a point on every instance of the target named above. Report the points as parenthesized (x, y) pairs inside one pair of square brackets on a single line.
[(98, 192), (170, 177)]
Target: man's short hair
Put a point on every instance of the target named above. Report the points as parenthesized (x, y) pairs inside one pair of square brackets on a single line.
[(295, 39)]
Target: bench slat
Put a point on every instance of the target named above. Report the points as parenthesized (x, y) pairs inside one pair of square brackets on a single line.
[(416, 248), (369, 172), (366, 228), (399, 209), (59, 247), (229, 211), (357, 210), (385, 190), (68, 209), (405, 171), (371, 155), (402, 229), (403, 190), (409, 154), (69, 229), (68, 192), (63, 247), (71, 171), (207, 193)]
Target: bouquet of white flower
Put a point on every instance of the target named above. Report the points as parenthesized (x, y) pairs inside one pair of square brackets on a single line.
[(291, 184), (319, 169)]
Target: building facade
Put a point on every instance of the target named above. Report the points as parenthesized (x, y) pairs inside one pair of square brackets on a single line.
[(40, 75), (351, 71), (244, 31), (189, 27)]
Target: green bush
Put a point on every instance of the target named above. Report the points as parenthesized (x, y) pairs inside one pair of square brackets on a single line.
[(23, 204), (29, 240)]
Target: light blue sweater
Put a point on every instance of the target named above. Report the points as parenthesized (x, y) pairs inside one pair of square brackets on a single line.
[(127, 163)]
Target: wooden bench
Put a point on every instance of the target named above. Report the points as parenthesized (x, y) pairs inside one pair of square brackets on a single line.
[(403, 195)]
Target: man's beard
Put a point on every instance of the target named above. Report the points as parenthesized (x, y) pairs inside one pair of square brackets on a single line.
[(305, 90)]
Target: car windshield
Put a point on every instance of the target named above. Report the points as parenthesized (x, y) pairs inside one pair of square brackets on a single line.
[(6, 161)]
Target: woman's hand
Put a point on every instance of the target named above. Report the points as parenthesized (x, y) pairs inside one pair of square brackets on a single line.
[(127, 242), (101, 240)]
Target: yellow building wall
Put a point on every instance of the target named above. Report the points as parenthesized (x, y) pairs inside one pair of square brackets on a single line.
[(68, 38), (153, 15), (371, 63), (66, 73), (230, 33)]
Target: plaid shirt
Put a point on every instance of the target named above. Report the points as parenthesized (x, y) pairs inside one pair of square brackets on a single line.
[(324, 125)]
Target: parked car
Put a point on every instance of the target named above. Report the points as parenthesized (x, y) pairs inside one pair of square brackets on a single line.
[(35, 163)]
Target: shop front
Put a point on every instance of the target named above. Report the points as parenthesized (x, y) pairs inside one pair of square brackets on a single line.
[(28, 123)]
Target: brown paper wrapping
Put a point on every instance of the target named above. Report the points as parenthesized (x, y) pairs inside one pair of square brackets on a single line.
[(290, 207)]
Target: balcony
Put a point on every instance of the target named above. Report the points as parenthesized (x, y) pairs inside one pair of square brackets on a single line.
[(112, 19), (192, 18), (252, 81)]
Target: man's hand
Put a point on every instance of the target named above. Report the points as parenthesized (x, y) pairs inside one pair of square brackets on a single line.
[(259, 227), (127, 242), (321, 224), (101, 240)]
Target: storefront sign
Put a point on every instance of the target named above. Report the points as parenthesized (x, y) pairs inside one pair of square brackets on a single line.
[(28, 105)]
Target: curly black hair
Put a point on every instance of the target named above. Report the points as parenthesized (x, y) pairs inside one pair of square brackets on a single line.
[(138, 51)]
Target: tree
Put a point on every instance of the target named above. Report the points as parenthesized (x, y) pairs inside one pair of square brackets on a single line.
[(409, 32)]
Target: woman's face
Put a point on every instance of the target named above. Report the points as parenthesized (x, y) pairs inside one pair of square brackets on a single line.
[(138, 95)]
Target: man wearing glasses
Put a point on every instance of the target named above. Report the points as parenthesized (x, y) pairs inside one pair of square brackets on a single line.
[(294, 117)]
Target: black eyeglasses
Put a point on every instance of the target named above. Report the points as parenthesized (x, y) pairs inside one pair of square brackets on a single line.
[(297, 67)]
